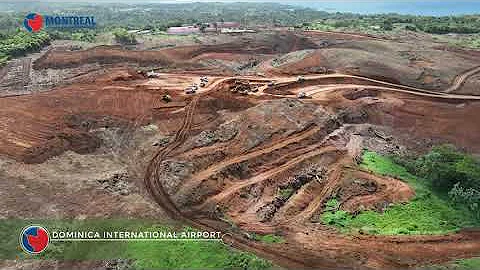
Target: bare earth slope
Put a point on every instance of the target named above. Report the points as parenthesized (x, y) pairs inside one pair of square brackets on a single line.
[(220, 159)]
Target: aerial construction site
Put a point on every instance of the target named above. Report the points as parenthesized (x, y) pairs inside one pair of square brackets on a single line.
[(248, 135)]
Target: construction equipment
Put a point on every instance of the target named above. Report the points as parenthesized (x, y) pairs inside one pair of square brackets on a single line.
[(302, 95), (241, 86), (300, 79), (152, 74), (192, 89), (167, 98), (271, 84)]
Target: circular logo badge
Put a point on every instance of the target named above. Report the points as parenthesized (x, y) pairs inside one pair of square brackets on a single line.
[(33, 22), (34, 239)]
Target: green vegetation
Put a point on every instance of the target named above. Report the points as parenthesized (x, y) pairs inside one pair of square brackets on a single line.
[(444, 166), (122, 36), (462, 264), (469, 41), (144, 254), (268, 238), (116, 19), (333, 216), (449, 170), (430, 212), (285, 193), (86, 35), (158, 17), (467, 24), (21, 43)]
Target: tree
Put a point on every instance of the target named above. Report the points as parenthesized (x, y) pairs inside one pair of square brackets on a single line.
[(123, 37), (444, 166)]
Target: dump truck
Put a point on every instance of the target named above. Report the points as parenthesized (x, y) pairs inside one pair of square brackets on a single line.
[(192, 89), (300, 79)]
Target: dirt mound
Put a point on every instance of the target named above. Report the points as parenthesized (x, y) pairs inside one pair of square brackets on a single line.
[(369, 192), (77, 141), (360, 93), (186, 57), (102, 55)]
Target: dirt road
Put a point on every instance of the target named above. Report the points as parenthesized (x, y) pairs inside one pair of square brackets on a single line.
[(460, 79)]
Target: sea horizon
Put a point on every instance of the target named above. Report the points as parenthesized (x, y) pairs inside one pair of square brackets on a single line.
[(425, 8)]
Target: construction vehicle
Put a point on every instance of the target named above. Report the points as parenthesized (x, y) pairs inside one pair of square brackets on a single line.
[(243, 92), (167, 98), (271, 84), (152, 74), (300, 79), (190, 90), (204, 79), (302, 95)]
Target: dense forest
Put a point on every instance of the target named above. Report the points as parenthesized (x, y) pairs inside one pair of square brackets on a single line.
[(118, 18)]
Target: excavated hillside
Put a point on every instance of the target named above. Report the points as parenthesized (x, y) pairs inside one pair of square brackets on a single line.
[(260, 152)]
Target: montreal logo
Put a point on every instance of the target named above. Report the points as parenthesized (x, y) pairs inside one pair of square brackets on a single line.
[(33, 22), (34, 239)]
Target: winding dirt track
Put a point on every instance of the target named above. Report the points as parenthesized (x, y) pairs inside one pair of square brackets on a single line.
[(387, 86), (392, 250), (460, 79), (328, 249), (198, 177)]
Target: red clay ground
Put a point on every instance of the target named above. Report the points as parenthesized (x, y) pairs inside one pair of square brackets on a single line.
[(237, 152)]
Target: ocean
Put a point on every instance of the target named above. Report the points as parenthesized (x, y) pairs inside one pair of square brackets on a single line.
[(428, 8)]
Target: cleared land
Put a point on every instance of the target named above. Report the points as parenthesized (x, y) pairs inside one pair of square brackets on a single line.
[(248, 157)]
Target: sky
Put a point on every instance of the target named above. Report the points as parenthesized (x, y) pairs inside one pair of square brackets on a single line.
[(189, 1), (426, 7)]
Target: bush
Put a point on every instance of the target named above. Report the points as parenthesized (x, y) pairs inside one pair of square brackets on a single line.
[(444, 166), (338, 218), (469, 197), (285, 193), (123, 37)]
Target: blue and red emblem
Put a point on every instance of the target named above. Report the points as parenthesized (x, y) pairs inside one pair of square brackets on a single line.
[(34, 239), (33, 22)]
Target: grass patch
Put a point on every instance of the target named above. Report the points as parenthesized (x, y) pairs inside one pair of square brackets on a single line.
[(462, 264), (144, 254), (285, 193), (268, 238), (428, 213)]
